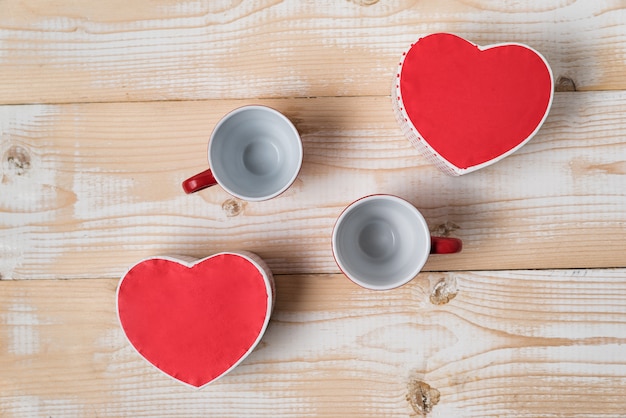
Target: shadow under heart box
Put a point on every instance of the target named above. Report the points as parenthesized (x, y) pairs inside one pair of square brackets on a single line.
[(465, 107), (196, 320)]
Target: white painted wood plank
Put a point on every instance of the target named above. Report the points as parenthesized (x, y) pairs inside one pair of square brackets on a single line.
[(87, 190), (524, 344), (69, 52)]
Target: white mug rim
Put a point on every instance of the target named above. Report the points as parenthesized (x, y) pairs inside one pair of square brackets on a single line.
[(294, 175), (420, 222)]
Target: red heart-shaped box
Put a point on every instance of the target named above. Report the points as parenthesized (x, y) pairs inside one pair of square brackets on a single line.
[(465, 107), (196, 320)]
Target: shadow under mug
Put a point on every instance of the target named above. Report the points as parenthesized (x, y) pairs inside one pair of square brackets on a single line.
[(254, 153), (381, 242)]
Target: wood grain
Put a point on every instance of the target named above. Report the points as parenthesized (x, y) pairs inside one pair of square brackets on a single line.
[(105, 107), (67, 52), (89, 189), (524, 344)]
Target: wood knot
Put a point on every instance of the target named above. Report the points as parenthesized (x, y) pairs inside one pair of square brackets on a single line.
[(564, 84), (17, 160), (233, 207), (364, 2), (444, 291), (445, 229), (422, 396)]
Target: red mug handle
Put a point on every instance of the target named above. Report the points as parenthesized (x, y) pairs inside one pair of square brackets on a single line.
[(199, 181), (445, 245)]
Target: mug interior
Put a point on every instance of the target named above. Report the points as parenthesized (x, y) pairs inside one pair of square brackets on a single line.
[(381, 242), (255, 153)]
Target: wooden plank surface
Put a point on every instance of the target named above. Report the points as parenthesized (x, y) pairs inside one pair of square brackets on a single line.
[(524, 344), (105, 107), (89, 189), (67, 52)]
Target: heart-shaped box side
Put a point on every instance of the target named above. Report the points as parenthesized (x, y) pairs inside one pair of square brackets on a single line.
[(465, 107), (196, 320)]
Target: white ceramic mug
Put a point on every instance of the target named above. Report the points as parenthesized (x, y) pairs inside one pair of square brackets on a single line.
[(381, 242), (255, 153)]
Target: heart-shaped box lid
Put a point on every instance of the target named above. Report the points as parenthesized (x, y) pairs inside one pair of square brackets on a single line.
[(464, 106), (196, 320)]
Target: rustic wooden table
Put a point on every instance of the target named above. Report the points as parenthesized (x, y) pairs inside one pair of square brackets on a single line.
[(107, 107)]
